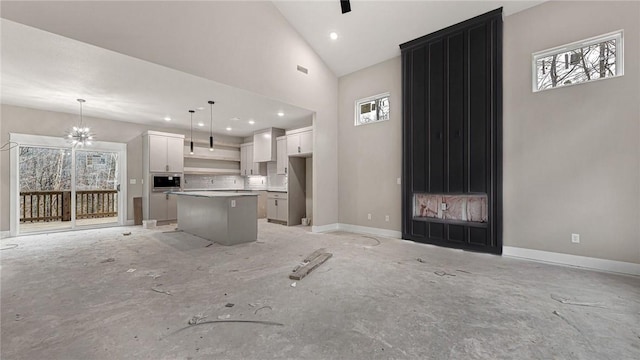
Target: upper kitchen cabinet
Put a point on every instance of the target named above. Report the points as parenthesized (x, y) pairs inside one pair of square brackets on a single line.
[(247, 164), (164, 151), (300, 142), (282, 157), (264, 144)]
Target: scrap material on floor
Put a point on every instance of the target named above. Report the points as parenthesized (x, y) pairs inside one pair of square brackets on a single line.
[(309, 264), (69, 296)]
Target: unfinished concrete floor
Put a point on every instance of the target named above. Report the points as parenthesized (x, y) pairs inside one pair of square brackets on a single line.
[(63, 298)]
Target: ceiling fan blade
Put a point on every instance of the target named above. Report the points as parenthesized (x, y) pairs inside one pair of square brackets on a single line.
[(346, 6)]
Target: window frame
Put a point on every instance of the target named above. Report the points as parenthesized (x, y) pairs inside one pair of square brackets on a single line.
[(617, 35), (359, 102)]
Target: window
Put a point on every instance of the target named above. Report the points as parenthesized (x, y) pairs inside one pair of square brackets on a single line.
[(591, 59), (372, 109)]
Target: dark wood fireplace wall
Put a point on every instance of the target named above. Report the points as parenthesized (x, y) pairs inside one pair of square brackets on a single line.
[(452, 119)]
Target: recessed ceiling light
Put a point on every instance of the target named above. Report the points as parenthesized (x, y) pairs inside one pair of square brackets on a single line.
[(235, 119), (167, 119), (251, 122), (228, 128), (281, 114), (200, 108), (200, 124), (333, 35)]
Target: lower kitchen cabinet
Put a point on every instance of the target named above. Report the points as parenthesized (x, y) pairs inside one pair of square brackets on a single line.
[(277, 207), (162, 207)]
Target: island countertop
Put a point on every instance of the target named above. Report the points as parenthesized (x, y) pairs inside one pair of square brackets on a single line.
[(211, 194)]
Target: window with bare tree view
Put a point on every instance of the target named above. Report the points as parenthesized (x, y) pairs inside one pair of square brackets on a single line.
[(591, 59)]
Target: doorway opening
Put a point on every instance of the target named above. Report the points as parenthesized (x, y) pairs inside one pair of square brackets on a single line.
[(57, 187)]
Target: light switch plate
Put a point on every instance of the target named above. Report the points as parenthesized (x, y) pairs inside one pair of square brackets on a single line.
[(132, 181), (233, 203)]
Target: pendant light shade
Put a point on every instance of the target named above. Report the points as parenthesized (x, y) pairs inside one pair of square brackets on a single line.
[(80, 135), (191, 145), (211, 102)]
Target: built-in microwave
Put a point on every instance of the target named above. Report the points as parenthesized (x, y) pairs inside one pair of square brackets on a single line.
[(166, 183)]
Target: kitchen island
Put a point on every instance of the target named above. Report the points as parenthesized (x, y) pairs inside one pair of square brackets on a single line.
[(222, 217)]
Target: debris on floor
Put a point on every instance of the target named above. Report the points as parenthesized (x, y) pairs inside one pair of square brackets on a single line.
[(229, 305), (310, 263), (197, 319), (131, 270), (161, 291), (209, 245), (293, 284), (9, 247), (153, 275), (264, 307), (463, 271), (18, 317), (442, 273), (224, 317), (571, 302), (107, 260), (126, 233), (420, 260), (372, 238)]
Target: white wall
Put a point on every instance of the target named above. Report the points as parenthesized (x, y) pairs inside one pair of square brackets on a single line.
[(248, 45), (571, 155), (370, 156)]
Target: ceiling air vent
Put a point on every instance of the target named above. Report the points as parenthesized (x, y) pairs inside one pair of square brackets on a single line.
[(303, 69)]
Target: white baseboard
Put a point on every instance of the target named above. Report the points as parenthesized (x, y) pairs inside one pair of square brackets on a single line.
[(324, 228), (357, 229), (573, 260), (5, 234)]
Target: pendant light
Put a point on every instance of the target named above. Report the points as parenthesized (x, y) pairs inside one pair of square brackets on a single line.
[(80, 135), (191, 147), (211, 102)]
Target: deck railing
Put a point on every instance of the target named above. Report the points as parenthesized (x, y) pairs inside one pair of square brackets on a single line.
[(39, 206)]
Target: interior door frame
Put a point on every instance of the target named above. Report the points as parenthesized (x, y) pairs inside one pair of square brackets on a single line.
[(59, 142)]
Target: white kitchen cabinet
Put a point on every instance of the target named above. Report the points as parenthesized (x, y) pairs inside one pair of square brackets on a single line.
[(283, 157), (277, 206), (165, 152), (300, 142), (247, 165), (162, 207), (264, 144)]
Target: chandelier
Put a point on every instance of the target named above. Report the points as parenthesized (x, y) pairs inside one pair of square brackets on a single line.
[(80, 135)]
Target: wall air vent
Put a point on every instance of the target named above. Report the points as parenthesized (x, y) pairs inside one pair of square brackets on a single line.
[(303, 69)]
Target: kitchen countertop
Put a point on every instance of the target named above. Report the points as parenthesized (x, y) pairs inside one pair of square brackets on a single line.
[(211, 194)]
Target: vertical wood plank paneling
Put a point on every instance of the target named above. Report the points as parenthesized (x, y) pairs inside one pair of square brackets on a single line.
[(419, 120), (436, 116), (478, 107), (452, 118), (455, 106)]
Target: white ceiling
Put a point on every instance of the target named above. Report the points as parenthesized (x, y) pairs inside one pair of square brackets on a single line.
[(46, 71), (373, 30)]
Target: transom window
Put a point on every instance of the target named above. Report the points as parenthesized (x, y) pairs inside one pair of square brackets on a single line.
[(587, 60), (372, 109)]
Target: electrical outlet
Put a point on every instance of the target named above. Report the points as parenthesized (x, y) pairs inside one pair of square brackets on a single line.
[(443, 206), (233, 203), (398, 181), (575, 238), (132, 181), (368, 216), (386, 218)]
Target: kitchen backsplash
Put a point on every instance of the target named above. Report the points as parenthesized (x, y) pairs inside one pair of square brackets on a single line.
[(213, 182), (272, 181)]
